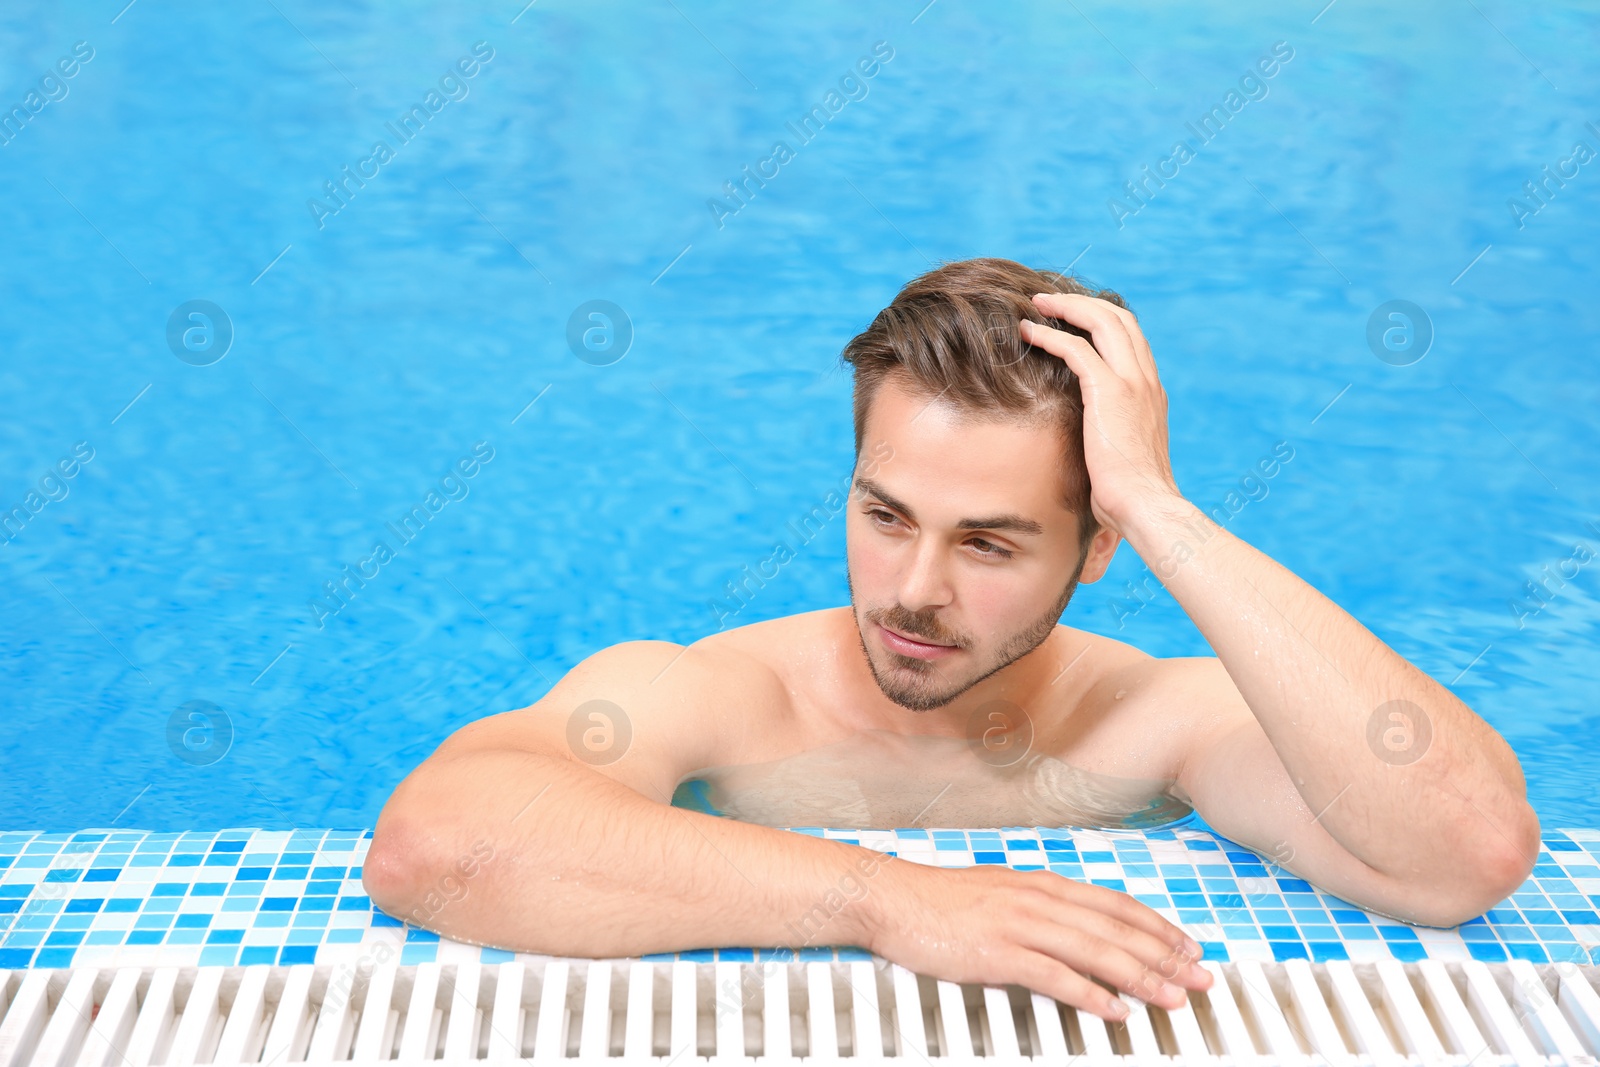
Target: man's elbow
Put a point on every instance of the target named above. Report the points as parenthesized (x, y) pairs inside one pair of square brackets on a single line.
[(1507, 859), (395, 868), (1490, 870)]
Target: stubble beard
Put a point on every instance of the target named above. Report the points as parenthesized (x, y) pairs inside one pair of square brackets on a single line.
[(925, 685)]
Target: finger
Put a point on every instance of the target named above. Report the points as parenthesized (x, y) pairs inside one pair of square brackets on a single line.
[(1078, 354), (1099, 319), (1152, 941), (1160, 958), (1154, 963), (1143, 359), (1141, 347), (1098, 958), (1122, 906), (1171, 961), (1048, 975)]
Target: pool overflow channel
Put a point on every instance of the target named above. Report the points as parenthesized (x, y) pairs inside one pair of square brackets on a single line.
[(551, 1009)]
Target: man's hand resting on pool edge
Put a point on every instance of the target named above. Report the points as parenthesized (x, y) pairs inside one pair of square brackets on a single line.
[(992, 925)]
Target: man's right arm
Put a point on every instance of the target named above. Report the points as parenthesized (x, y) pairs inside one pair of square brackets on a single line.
[(570, 855), (512, 835)]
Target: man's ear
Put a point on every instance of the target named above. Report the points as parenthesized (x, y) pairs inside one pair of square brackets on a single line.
[(1101, 548)]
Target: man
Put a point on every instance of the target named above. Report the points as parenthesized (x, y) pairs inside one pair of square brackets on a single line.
[(1010, 432)]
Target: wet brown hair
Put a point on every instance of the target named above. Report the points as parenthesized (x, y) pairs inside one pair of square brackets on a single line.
[(952, 333)]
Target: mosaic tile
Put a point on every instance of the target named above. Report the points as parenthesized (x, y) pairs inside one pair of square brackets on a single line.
[(239, 897)]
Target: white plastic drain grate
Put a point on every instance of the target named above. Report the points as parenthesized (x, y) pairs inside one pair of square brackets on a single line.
[(1433, 1012)]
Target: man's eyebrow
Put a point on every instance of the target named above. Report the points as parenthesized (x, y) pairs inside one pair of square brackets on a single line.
[(1010, 523)]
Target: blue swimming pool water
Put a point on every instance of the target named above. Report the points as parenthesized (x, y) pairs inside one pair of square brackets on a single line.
[(376, 346)]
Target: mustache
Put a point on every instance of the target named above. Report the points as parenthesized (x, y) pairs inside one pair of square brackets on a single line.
[(914, 626)]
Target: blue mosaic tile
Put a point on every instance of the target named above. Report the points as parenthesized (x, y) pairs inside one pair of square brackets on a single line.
[(243, 897)]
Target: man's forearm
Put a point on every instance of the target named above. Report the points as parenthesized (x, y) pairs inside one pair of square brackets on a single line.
[(1326, 691), (565, 861)]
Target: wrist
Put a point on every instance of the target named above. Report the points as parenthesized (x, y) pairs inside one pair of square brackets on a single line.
[(1159, 523), (884, 878)]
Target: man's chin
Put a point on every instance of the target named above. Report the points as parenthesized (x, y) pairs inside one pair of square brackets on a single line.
[(918, 698), (917, 702)]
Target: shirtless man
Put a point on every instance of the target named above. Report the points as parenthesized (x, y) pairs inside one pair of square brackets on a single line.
[(1001, 458)]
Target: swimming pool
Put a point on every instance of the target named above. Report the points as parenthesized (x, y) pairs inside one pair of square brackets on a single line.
[(171, 660)]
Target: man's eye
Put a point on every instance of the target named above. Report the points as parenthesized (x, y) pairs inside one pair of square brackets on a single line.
[(875, 512), (998, 552)]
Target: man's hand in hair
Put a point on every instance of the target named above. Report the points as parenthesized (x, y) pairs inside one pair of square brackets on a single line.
[(1124, 406)]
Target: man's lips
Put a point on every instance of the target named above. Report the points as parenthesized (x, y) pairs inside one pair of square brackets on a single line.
[(913, 646)]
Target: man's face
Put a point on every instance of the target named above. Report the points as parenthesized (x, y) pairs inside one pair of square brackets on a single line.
[(958, 541)]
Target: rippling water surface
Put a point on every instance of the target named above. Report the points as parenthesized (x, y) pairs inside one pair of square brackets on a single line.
[(382, 333)]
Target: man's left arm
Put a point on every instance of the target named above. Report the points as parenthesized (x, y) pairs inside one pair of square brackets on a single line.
[(1405, 795)]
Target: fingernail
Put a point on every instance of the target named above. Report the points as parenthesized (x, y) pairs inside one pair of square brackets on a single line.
[(1192, 945), (1118, 1010)]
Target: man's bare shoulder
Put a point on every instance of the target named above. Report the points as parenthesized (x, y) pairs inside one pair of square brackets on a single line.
[(814, 653), (1172, 704), (789, 641), (1127, 711), (705, 675), (642, 712), (730, 688), (1194, 689)]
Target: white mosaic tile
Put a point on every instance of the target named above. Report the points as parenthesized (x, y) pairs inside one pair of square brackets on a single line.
[(175, 899)]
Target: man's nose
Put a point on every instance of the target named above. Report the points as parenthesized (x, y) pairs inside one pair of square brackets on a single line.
[(926, 581)]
